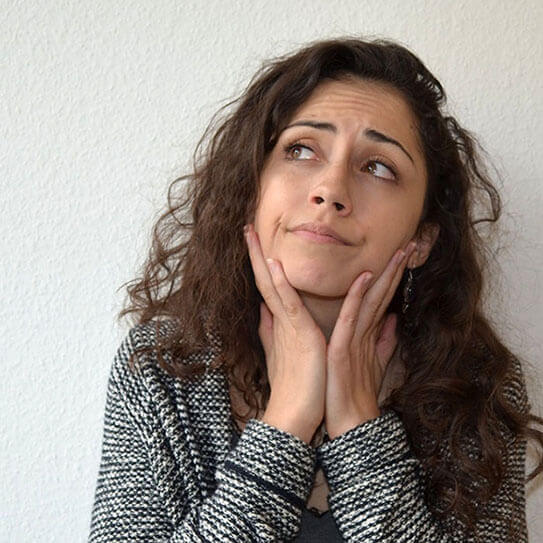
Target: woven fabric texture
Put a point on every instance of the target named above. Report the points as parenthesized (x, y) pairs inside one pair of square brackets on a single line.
[(167, 472)]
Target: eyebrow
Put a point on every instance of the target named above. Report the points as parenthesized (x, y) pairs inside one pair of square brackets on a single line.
[(372, 134)]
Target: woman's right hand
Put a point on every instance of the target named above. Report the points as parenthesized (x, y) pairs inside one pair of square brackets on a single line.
[(295, 349)]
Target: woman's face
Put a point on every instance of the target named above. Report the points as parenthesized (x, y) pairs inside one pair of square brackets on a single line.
[(349, 159)]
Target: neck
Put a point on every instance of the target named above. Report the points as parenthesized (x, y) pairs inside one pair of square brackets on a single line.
[(324, 311)]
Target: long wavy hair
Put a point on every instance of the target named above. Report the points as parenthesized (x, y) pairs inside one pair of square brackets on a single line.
[(198, 277)]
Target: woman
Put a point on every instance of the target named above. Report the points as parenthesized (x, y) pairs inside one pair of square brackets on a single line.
[(329, 376)]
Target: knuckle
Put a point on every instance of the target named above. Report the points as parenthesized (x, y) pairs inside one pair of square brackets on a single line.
[(267, 296), (373, 308), (291, 309), (349, 320)]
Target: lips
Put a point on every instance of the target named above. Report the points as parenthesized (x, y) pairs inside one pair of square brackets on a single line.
[(320, 229)]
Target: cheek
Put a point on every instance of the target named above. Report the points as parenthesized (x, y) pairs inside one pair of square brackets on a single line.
[(276, 196), (383, 239), (268, 216), (266, 210)]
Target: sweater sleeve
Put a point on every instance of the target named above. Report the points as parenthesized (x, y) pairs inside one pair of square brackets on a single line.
[(377, 492), (262, 485)]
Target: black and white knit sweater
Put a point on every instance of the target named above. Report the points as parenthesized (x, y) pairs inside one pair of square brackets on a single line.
[(168, 474)]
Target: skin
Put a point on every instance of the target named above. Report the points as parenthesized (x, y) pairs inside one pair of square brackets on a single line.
[(371, 193)]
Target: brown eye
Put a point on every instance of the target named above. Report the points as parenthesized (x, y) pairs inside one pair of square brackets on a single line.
[(379, 169), (299, 152)]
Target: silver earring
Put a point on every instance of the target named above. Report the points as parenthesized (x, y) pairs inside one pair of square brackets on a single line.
[(408, 290)]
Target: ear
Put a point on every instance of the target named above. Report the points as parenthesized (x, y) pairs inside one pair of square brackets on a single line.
[(425, 242)]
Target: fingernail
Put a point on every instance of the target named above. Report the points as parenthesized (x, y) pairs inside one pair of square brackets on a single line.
[(246, 229), (366, 278), (400, 256), (271, 264)]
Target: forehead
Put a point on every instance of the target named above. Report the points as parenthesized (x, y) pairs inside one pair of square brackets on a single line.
[(357, 102)]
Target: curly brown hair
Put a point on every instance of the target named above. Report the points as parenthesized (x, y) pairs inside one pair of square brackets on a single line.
[(198, 275)]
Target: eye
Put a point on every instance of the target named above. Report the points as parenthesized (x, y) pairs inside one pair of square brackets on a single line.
[(380, 169), (297, 151)]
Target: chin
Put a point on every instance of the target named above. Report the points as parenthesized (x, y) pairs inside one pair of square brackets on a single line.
[(316, 282)]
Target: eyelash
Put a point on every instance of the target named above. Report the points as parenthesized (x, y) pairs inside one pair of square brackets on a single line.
[(290, 146)]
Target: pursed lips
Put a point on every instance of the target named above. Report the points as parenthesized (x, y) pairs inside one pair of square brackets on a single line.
[(319, 233)]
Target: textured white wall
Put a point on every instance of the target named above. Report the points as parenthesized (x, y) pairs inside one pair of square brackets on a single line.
[(101, 104)]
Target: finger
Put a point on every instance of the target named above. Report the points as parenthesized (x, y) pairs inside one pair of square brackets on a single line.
[(265, 329), (349, 313), (386, 343), (388, 339), (373, 305), (261, 271), (292, 304)]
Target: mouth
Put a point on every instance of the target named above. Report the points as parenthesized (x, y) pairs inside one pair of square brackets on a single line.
[(317, 238), (318, 233)]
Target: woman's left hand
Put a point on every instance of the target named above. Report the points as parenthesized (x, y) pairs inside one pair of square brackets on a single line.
[(360, 347)]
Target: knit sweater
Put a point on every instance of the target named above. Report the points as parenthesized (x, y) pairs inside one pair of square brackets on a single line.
[(315, 526), (168, 473)]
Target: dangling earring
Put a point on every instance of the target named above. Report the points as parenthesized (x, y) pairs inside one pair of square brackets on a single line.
[(408, 290)]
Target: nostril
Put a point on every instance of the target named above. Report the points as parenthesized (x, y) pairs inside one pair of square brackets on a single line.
[(338, 206)]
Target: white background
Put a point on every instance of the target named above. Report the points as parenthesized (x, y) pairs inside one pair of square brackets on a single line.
[(101, 105)]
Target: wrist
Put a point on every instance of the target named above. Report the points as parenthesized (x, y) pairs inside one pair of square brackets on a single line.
[(291, 426), (350, 422)]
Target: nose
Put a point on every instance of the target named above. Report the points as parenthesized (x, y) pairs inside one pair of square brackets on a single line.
[(332, 190)]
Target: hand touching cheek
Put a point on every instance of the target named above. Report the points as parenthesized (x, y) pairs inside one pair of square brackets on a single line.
[(360, 347)]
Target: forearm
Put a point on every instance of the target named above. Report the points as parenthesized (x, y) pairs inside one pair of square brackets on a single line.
[(261, 487), (377, 492)]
